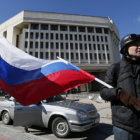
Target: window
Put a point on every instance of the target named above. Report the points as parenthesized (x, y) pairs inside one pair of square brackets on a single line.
[(31, 44), (107, 48), (106, 31), (81, 29), (56, 37), (63, 28), (51, 35), (57, 45), (26, 44), (31, 35), (52, 45), (99, 56), (72, 28), (44, 27), (85, 38), (76, 46), (93, 38), (36, 44), (34, 26), (81, 55), (47, 36), (77, 57), (67, 55), (36, 54), (81, 46), (67, 46), (103, 47), (61, 36), (41, 55), (62, 46), (71, 37), (103, 56), (57, 54), (108, 56), (72, 56), (80, 37), (75, 37), (95, 56), (47, 55), (106, 40), (89, 39), (41, 45), (102, 38), (97, 37), (85, 46), (66, 36), (52, 55), (62, 55), (90, 30), (98, 30), (94, 46), (30, 53), (90, 47), (36, 35), (47, 45), (90, 56), (26, 35), (71, 46), (54, 27), (86, 55), (98, 46), (41, 35)]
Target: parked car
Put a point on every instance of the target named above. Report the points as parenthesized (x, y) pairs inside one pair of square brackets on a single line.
[(62, 116)]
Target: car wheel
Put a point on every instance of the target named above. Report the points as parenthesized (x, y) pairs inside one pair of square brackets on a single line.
[(60, 127), (6, 118)]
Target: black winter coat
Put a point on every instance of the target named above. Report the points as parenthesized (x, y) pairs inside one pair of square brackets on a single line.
[(125, 75)]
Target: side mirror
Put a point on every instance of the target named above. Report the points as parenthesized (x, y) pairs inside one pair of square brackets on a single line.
[(7, 96), (39, 103)]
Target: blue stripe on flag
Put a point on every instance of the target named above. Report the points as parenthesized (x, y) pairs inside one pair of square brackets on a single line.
[(14, 76)]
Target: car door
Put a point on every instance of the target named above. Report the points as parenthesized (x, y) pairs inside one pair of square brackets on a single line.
[(27, 115)]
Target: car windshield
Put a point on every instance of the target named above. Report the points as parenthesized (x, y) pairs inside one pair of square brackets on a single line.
[(53, 99)]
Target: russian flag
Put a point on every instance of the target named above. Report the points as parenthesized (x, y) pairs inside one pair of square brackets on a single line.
[(29, 79)]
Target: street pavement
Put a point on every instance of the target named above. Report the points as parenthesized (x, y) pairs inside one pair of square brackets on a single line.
[(101, 132)]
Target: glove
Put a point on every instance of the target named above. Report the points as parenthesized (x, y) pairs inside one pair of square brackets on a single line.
[(137, 104), (129, 100)]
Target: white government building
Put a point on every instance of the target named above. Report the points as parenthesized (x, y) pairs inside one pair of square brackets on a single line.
[(89, 42)]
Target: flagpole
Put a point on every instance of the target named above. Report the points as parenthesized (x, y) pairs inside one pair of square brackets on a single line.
[(103, 83), (96, 79)]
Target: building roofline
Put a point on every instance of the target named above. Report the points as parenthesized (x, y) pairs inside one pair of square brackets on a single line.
[(12, 17), (64, 13), (52, 13), (112, 24)]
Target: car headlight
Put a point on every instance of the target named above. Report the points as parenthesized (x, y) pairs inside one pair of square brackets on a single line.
[(82, 115)]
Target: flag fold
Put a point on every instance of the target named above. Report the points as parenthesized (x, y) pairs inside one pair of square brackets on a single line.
[(29, 79)]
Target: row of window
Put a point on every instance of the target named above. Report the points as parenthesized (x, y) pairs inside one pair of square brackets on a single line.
[(92, 56), (66, 46), (61, 36), (68, 28)]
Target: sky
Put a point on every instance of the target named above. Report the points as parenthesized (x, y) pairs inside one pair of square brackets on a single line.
[(124, 13)]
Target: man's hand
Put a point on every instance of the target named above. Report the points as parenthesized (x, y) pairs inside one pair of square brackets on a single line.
[(136, 105), (129, 100)]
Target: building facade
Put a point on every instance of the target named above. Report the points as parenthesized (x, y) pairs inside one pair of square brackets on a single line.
[(91, 43)]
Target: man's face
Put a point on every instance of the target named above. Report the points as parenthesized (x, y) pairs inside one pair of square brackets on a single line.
[(134, 50)]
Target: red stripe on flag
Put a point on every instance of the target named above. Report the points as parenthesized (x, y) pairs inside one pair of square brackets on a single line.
[(53, 84)]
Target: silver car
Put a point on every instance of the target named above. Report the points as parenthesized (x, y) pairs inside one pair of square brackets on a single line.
[(62, 116)]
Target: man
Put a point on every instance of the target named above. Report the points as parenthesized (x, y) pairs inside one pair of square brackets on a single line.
[(124, 76)]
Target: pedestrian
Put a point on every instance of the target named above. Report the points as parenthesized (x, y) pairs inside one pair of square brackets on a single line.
[(124, 76)]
